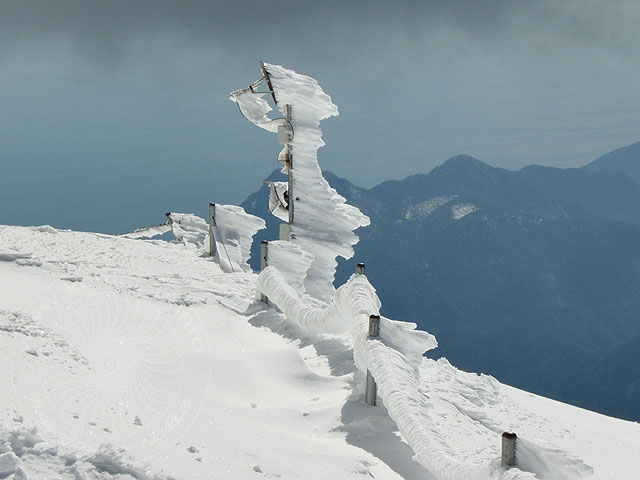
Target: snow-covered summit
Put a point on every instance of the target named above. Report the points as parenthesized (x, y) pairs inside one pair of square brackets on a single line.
[(140, 359)]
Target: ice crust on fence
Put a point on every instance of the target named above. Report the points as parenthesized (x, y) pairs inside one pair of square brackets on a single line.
[(355, 298), (234, 233), (254, 108), (393, 359), (323, 222), (189, 228), (291, 261), (277, 200)]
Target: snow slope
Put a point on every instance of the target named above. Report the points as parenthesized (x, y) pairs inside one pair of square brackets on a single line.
[(125, 358)]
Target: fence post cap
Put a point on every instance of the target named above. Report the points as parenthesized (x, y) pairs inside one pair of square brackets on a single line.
[(509, 435)]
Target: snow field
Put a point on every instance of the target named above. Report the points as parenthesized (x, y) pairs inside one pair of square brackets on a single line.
[(114, 366)]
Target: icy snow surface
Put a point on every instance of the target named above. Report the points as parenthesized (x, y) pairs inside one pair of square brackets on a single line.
[(127, 358)]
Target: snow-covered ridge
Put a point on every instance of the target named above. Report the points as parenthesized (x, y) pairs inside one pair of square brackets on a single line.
[(72, 298)]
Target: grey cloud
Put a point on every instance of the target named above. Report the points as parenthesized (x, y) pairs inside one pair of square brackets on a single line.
[(136, 86)]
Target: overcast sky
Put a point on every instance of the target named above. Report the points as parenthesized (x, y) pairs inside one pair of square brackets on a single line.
[(113, 112)]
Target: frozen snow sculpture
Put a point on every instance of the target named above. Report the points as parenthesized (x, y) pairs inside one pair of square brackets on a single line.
[(320, 220), (233, 232)]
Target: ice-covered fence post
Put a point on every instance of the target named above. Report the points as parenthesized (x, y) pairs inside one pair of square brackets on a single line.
[(371, 388), (264, 251), (508, 449), (287, 109), (285, 231), (360, 268), (212, 224)]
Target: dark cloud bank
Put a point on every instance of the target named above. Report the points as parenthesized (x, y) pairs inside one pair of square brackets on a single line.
[(117, 110)]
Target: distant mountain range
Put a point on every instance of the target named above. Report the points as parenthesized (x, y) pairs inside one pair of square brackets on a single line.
[(532, 276)]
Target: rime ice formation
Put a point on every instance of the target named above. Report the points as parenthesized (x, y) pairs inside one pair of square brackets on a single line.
[(234, 233), (395, 359), (189, 228), (291, 261), (277, 200), (323, 222)]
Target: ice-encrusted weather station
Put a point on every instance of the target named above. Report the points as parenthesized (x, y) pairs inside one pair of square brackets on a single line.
[(319, 223)]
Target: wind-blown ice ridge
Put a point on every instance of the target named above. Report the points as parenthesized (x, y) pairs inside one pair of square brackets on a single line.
[(323, 222), (233, 232), (291, 261)]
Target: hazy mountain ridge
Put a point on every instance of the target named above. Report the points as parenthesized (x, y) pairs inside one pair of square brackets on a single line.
[(506, 260), (625, 159)]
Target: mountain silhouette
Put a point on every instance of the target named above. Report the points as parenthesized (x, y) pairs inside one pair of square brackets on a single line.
[(625, 160)]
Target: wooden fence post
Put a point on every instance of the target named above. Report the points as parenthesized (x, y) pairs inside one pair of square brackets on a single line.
[(371, 388), (264, 252), (508, 449), (360, 268)]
